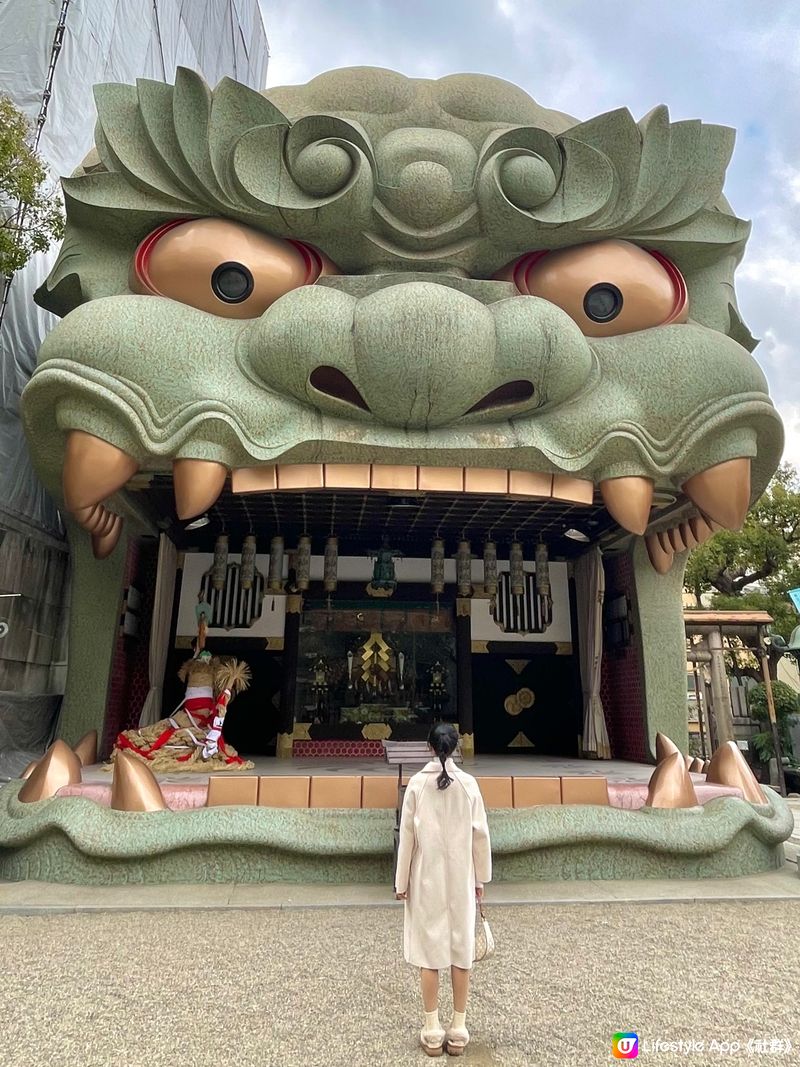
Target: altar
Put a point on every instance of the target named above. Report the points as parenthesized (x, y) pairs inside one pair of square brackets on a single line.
[(369, 671)]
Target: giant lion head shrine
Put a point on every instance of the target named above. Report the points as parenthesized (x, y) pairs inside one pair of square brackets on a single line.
[(376, 402)]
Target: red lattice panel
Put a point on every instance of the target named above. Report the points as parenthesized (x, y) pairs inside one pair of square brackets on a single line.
[(337, 749), (130, 682)]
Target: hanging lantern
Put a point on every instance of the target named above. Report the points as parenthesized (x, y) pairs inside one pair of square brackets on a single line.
[(331, 564), (302, 563), (490, 568), (247, 570), (437, 566), (542, 570), (219, 569), (516, 569), (276, 565), (464, 568), (543, 585)]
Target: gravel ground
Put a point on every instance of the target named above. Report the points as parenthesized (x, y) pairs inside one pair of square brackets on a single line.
[(328, 987)]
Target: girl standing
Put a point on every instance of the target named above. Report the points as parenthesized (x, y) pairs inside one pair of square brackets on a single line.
[(443, 859)]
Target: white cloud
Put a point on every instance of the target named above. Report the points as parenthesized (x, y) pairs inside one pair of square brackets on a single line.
[(777, 272), (790, 413)]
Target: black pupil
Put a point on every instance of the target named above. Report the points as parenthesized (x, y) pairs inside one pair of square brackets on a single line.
[(603, 302), (232, 282)]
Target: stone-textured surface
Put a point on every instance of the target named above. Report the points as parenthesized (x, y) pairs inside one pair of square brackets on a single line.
[(74, 840), (434, 187), (269, 989), (661, 635), (93, 625)]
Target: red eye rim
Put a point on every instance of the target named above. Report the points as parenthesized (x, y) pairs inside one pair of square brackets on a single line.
[(141, 256), (312, 259), (523, 266)]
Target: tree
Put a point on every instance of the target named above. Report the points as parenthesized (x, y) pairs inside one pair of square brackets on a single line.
[(31, 216), (754, 567), (787, 706)]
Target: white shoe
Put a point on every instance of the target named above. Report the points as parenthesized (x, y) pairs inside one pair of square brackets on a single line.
[(456, 1040), (432, 1041)]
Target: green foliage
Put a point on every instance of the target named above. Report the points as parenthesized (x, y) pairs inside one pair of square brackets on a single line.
[(766, 551), (31, 217), (787, 705), (777, 604), (787, 702)]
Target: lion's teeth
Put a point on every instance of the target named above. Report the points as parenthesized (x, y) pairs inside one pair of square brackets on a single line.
[(628, 500), (197, 483), (722, 492), (659, 556), (104, 544), (93, 470)]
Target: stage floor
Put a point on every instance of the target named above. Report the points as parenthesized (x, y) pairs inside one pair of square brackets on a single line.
[(501, 766)]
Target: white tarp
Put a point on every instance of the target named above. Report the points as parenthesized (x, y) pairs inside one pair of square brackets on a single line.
[(104, 40)]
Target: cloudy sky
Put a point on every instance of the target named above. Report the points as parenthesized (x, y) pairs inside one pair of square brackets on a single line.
[(733, 62)]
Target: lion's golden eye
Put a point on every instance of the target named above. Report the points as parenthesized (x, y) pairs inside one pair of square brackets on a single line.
[(223, 267), (608, 288)]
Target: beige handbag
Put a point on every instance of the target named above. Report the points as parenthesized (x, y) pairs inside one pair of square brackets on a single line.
[(484, 940)]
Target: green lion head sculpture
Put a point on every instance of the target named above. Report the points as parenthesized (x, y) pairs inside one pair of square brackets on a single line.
[(371, 269)]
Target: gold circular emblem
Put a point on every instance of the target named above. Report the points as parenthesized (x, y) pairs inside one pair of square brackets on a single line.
[(512, 705), (526, 697)]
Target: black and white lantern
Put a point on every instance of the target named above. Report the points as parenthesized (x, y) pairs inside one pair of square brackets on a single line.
[(302, 563), (464, 568), (543, 584), (516, 568), (276, 565), (247, 570), (490, 568), (219, 569), (437, 566), (331, 564)]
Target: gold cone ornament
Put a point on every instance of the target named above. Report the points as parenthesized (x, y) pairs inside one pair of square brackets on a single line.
[(134, 787), (670, 785), (86, 748), (59, 766), (664, 747), (729, 767)]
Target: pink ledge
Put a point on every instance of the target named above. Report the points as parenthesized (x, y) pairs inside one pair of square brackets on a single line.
[(632, 796), (176, 797)]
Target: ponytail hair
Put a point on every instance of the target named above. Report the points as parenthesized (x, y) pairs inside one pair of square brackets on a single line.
[(443, 739)]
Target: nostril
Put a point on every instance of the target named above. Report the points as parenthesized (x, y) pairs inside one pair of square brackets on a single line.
[(334, 383), (516, 392)]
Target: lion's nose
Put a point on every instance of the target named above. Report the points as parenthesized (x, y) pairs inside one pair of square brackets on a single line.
[(418, 354), (422, 352)]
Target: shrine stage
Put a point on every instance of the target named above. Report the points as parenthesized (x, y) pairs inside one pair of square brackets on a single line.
[(479, 766)]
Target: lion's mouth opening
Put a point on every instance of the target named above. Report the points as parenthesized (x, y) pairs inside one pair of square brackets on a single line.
[(459, 501)]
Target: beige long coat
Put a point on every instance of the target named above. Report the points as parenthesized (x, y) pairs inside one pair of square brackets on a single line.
[(444, 853)]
